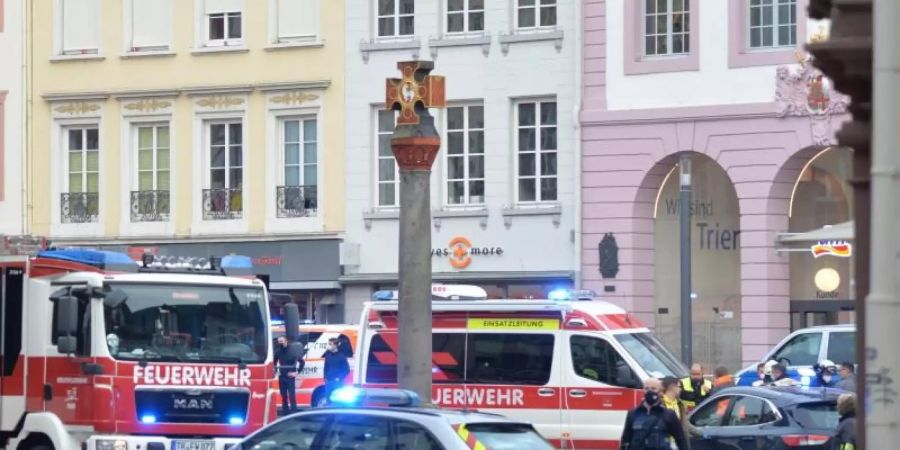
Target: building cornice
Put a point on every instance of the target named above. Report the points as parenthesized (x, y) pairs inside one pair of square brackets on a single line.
[(207, 90), (72, 96), (155, 240), (148, 93), (189, 90), (292, 85)]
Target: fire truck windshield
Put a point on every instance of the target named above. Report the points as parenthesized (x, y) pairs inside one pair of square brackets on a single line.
[(195, 323), (652, 355)]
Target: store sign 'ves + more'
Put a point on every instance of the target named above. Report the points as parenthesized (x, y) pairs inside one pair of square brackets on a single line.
[(460, 252)]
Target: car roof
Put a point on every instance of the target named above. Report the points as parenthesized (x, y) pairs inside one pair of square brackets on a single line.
[(841, 327), (453, 417), (786, 395)]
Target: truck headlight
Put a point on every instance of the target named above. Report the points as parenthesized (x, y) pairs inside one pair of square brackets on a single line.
[(112, 444)]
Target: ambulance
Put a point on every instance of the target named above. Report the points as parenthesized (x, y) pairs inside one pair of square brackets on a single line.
[(570, 365), (314, 339)]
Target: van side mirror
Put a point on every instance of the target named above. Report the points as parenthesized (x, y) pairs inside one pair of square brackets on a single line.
[(291, 321), (66, 315)]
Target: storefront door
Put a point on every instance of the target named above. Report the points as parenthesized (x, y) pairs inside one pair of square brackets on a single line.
[(810, 313)]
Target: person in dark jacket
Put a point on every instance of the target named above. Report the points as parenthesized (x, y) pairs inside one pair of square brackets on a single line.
[(845, 437), (651, 426), (848, 377), (336, 367), (288, 363)]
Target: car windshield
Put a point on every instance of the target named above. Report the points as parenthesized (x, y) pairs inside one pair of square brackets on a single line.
[(508, 436), (652, 355), (171, 322), (817, 415)]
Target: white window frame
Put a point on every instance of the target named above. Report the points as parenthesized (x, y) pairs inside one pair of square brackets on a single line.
[(670, 33), (378, 158), (396, 16), (226, 41), (207, 151), (773, 29), (302, 163), (466, 11), (59, 175), (128, 21), (84, 150), (537, 6), (467, 199), (59, 33), (129, 163), (538, 176), (275, 19)]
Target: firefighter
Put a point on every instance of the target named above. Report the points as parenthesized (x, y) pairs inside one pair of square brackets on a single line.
[(694, 389), (651, 426)]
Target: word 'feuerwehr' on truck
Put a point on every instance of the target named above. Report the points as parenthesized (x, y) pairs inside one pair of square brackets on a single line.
[(100, 352)]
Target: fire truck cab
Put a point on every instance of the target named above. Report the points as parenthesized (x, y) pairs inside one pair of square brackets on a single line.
[(100, 352), (571, 367)]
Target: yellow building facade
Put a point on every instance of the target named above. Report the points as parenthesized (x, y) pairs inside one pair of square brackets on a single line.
[(175, 127)]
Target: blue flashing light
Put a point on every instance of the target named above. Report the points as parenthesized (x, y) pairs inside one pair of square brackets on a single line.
[(237, 262), (148, 418), (236, 420), (100, 259), (559, 295), (384, 296), (346, 396), (352, 396)]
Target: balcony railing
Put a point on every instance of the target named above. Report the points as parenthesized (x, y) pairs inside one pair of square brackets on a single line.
[(296, 201), (222, 204), (149, 206), (79, 207)]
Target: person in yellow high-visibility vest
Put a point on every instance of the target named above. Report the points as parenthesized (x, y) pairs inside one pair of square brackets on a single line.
[(694, 389), (845, 435)]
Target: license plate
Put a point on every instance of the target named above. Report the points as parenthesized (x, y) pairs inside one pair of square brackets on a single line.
[(194, 445)]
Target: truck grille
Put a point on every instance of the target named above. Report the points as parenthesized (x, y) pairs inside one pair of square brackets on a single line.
[(191, 406)]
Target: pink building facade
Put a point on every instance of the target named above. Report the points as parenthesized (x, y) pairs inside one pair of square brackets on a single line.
[(669, 77)]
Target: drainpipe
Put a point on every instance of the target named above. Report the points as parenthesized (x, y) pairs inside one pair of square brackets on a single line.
[(883, 303), (576, 123)]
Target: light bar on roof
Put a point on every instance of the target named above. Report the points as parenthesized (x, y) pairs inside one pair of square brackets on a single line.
[(440, 292)]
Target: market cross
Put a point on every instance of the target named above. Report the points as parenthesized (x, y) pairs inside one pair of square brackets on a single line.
[(415, 90)]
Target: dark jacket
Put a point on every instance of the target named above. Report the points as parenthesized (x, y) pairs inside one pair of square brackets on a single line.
[(845, 437), (286, 361), (847, 384), (336, 366), (650, 430)]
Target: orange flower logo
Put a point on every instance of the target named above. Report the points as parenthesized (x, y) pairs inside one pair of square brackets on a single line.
[(833, 248)]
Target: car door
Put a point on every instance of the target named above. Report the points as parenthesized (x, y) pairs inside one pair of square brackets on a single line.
[(706, 422), (748, 425)]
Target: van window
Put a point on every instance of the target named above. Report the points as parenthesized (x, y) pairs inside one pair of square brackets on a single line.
[(492, 358), (842, 347), (595, 359), (652, 355), (801, 350)]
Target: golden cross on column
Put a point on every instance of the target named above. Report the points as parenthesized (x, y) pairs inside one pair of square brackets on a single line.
[(415, 89)]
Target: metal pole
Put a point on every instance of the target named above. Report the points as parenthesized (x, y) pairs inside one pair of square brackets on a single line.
[(883, 303), (684, 168)]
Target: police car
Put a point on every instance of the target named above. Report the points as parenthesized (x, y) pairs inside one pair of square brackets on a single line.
[(376, 419)]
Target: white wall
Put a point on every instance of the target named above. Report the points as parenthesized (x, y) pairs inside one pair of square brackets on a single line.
[(11, 80), (529, 69), (713, 84)]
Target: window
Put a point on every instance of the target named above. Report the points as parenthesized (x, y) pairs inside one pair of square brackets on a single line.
[(151, 25), (502, 436), (651, 354), (411, 436), (597, 360), (536, 123), (396, 18), (712, 413), (535, 14), (223, 201), (749, 411), (358, 432), (465, 155), (298, 432), (223, 22), (773, 23), (296, 20), (13, 281), (801, 350), (388, 181), (297, 196), (842, 347), (448, 356), (464, 16), (524, 359), (80, 27), (82, 329), (666, 27), (83, 160), (153, 158), (821, 416)]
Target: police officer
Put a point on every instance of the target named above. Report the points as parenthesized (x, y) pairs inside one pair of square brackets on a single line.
[(336, 367), (288, 363), (694, 389), (650, 426)]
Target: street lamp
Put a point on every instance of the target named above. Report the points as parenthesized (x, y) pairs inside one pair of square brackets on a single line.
[(684, 178)]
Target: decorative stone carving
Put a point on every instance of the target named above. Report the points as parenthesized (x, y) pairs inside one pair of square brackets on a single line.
[(294, 98), (148, 105), (804, 91), (77, 108), (219, 101)]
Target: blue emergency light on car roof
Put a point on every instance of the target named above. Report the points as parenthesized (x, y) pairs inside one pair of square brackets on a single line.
[(233, 262), (352, 396), (101, 259)]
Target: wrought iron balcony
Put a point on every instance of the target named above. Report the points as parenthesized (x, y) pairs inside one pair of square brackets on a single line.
[(149, 206), (296, 201), (222, 204), (79, 207)]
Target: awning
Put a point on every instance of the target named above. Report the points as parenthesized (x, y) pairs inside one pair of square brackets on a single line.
[(839, 232)]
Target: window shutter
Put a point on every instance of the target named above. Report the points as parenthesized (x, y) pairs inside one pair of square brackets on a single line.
[(151, 23), (81, 29), (297, 19), (223, 6)]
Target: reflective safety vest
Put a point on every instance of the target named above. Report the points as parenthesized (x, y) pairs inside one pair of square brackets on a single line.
[(846, 446), (691, 400)]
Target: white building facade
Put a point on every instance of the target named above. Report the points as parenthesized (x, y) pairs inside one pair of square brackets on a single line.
[(12, 127), (504, 186)]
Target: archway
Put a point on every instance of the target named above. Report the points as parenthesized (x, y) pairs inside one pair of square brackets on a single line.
[(715, 263)]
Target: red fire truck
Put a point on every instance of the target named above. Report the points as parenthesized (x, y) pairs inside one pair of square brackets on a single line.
[(101, 352)]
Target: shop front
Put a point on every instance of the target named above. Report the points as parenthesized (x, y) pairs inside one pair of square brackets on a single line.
[(304, 272)]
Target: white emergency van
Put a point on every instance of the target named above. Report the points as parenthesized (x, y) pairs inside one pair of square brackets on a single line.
[(573, 368)]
